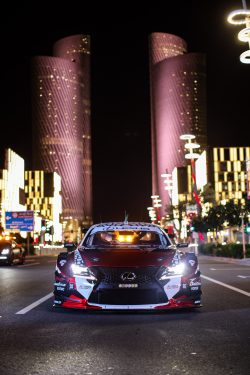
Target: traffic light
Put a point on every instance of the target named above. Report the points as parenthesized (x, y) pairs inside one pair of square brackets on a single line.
[(43, 225), (247, 228)]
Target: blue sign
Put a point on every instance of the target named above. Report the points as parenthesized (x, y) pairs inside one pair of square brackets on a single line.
[(19, 220)]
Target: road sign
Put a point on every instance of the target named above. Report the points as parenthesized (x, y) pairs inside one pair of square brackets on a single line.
[(19, 220)]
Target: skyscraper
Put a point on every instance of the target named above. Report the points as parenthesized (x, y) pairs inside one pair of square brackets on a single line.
[(178, 104), (61, 123)]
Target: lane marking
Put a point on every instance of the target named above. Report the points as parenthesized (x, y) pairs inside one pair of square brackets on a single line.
[(28, 265), (35, 304), (228, 269), (226, 285), (243, 277)]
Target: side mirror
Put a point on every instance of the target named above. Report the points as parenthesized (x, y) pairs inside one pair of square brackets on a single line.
[(70, 246), (181, 245)]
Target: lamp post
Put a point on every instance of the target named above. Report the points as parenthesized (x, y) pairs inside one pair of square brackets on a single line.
[(191, 155), (242, 17), (243, 235), (156, 204), (152, 214)]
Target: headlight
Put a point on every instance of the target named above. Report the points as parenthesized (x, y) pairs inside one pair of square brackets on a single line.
[(82, 271), (5, 251), (172, 271)]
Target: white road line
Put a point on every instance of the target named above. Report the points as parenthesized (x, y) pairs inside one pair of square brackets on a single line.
[(226, 285), (243, 277), (28, 265), (229, 269), (35, 304)]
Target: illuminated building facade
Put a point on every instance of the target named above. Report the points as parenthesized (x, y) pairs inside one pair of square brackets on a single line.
[(223, 168), (178, 104), (43, 196), (12, 197), (61, 124), (228, 173)]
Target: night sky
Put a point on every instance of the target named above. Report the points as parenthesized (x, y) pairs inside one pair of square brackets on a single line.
[(120, 84)]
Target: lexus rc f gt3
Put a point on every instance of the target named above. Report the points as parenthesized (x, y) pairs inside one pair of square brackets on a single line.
[(128, 265)]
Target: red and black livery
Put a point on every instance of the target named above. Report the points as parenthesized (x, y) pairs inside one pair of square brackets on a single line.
[(127, 266)]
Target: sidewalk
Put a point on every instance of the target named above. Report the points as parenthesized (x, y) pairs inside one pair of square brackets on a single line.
[(242, 262)]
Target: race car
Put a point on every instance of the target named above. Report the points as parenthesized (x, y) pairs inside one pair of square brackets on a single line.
[(127, 266)]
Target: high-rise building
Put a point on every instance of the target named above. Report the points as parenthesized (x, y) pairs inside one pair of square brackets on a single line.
[(43, 196), (12, 196), (61, 123), (178, 104)]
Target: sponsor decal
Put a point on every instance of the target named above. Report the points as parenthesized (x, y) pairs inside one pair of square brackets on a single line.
[(184, 286), (173, 286), (197, 301), (62, 262), (191, 262), (194, 288), (60, 284), (58, 302), (128, 276), (60, 288), (71, 286), (128, 285), (194, 282), (83, 286)]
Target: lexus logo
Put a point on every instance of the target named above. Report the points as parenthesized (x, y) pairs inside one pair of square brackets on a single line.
[(128, 276)]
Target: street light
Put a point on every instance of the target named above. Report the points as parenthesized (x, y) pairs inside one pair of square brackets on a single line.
[(191, 146), (243, 235), (242, 17), (156, 204), (191, 155)]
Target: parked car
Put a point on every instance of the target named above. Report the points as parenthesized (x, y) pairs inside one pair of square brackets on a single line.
[(11, 252), (128, 265)]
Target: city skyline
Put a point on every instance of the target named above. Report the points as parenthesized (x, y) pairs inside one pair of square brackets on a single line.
[(120, 88)]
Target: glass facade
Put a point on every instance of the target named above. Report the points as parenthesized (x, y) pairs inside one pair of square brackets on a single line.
[(61, 122), (178, 104)]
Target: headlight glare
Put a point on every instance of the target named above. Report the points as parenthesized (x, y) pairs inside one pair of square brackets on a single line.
[(5, 251), (79, 270), (178, 269)]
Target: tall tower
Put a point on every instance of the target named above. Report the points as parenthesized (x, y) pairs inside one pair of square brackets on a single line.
[(61, 124), (178, 104)]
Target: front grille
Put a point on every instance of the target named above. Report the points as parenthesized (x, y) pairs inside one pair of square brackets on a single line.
[(110, 275), (107, 290)]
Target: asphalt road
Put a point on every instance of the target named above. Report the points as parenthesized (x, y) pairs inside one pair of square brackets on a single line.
[(37, 339)]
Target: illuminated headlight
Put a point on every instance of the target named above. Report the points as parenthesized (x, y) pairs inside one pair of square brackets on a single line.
[(172, 271), (5, 251), (82, 271)]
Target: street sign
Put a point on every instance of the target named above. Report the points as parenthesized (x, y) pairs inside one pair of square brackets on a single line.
[(19, 220)]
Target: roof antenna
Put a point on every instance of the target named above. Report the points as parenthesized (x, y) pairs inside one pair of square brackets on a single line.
[(126, 218)]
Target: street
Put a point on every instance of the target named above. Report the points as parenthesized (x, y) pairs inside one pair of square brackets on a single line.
[(36, 339)]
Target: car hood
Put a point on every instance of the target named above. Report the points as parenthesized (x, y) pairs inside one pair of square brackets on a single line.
[(127, 258)]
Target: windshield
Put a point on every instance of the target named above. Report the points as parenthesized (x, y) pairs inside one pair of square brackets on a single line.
[(125, 238)]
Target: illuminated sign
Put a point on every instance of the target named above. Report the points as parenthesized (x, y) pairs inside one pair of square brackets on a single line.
[(19, 220)]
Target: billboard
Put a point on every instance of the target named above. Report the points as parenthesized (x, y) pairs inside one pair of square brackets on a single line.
[(19, 220)]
